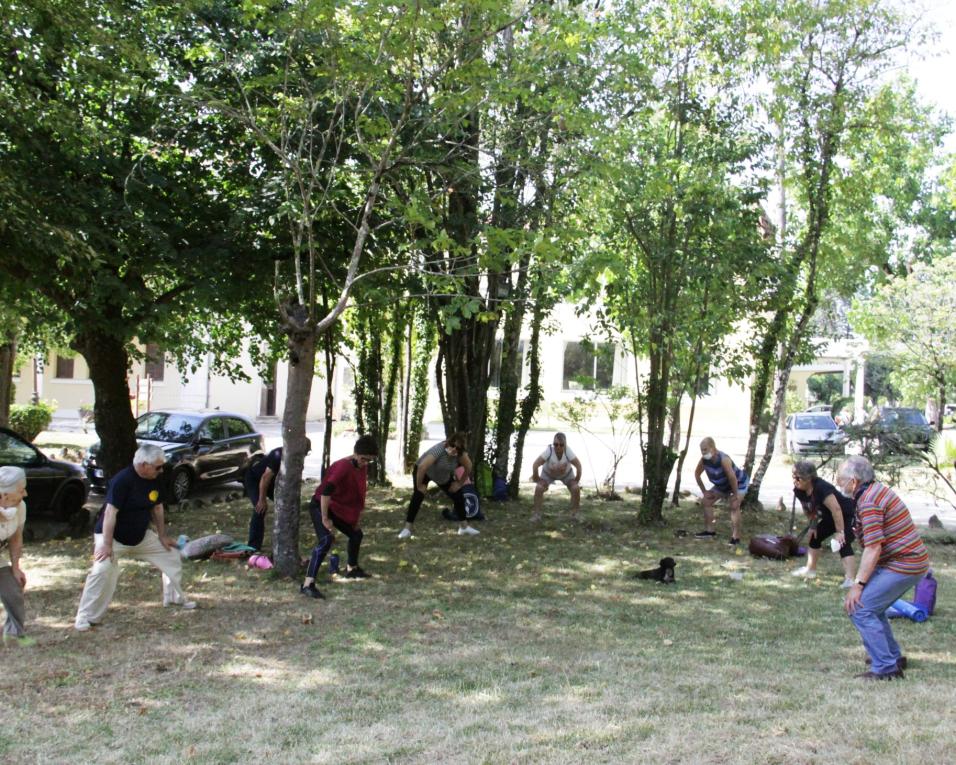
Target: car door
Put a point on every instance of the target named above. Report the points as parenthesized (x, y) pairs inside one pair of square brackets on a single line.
[(244, 442), (213, 458)]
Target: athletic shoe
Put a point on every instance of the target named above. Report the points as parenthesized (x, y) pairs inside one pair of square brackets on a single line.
[(805, 572), (405, 534), (312, 591), (186, 605), (847, 584), (734, 542), (705, 535), (356, 573), (896, 674), (465, 531), (83, 627)]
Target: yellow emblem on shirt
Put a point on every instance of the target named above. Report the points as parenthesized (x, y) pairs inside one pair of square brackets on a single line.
[(154, 496)]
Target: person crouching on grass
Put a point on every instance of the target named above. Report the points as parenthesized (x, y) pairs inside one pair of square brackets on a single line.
[(13, 516), (338, 502)]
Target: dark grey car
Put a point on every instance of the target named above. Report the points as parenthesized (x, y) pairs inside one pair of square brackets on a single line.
[(54, 488), (202, 448)]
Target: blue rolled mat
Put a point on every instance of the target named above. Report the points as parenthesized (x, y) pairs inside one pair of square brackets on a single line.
[(907, 609)]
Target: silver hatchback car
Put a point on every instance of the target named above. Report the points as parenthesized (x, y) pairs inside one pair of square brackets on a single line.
[(814, 432)]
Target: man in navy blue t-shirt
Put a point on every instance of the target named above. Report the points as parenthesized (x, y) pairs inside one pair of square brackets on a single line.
[(260, 486), (133, 499)]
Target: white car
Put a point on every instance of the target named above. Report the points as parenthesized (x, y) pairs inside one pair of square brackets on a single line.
[(814, 432)]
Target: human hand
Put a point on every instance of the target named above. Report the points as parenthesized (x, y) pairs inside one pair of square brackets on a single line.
[(262, 505), (853, 597), (534, 478), (20, 577), (167, 542), (327, 522), (422, 488), (103, 551)]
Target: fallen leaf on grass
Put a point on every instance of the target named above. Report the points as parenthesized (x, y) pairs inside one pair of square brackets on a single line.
[(307, 618)]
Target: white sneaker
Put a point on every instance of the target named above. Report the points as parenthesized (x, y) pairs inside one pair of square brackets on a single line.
[(186, 605), (405, 534), (847, 584), (83, 627), (802, 571), (464, 531)]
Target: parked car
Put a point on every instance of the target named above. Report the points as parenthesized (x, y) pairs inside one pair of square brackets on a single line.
[(54, 488), (202, 449), (817, 432), (824, 408), (897, 428)]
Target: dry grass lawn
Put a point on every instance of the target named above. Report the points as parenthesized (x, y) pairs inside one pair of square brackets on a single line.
[(528, 644)]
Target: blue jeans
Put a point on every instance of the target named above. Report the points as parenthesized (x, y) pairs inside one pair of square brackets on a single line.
[(882, 590)]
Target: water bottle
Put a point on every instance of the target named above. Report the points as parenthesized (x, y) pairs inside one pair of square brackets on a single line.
[(181, 542), (333, 564), (835, 544)]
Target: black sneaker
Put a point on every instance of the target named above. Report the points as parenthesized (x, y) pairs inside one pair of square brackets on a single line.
[(734, 542), (312, 591), (356, 573), (705, 535)]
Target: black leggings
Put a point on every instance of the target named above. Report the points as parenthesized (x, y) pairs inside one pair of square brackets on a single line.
[(826, 528), (325, 538), (418, 497)]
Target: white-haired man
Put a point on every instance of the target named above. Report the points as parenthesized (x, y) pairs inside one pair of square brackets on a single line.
[(13, 516), (133, 499), (894, 559)]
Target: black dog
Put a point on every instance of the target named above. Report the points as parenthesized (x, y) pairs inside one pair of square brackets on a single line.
[(663, 573)]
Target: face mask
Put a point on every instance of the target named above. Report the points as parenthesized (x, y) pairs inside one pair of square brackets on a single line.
[(708, 456)]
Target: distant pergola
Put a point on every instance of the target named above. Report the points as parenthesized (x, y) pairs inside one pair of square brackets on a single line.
[(845, 356)]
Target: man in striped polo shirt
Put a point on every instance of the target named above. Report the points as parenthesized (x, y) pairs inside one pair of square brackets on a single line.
[(894, 559)]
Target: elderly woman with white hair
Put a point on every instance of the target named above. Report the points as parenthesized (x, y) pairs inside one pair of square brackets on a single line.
[(13, 516), (134, 499)]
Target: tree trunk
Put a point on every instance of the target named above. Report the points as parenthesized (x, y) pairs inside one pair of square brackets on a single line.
[(8, 355), (329, 400), (285, 535), (532, 400), (509, 381), (423, 346), (108, 362)]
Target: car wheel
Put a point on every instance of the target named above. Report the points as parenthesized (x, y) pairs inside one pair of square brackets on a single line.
[(70, 503), (181, 484)]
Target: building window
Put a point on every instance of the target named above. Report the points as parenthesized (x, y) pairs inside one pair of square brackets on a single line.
[(588, 366), (155, 362), (64, 368)]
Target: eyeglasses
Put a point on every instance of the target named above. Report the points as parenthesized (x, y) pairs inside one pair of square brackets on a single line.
[(557, 443), (366, 460)]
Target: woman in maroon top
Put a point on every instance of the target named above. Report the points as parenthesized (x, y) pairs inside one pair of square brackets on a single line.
[(338, 503)]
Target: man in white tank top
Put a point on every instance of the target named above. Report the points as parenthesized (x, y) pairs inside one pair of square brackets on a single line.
[(556, 463)]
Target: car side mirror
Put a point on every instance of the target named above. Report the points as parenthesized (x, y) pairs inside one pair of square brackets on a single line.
[(203, 441)]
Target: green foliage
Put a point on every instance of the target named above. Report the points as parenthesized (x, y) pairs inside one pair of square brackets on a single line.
[(826, 387), (29, 420), (912, 320)]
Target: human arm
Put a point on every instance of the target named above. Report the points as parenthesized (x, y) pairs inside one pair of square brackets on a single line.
[(262, 504), (868, 561), (16, 550), (698, 472), (728, 467), (536, 465), (465, 461), (324, 501), (833, 505), (421, 473), (159, 520), (578, 470), (104, 550)]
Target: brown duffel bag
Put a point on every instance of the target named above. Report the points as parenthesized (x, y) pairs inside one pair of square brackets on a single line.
[(773, 546)]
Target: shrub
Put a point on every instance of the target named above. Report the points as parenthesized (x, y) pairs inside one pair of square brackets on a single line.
[(28, 420)]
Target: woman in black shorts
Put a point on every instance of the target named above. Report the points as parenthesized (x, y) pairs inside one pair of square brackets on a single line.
[(831, 514)]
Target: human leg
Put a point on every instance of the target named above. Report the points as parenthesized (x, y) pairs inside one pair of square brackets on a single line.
[(414, 505), (169, 562), (735, 501), (539, 489), (257, 521), (354, 536), (99, 587), (11, 596), (883, 588), (323, 544)]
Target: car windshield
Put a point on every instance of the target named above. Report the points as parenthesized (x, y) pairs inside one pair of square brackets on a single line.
[(162, 426), (815, 422)]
